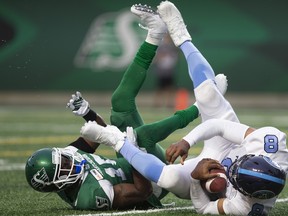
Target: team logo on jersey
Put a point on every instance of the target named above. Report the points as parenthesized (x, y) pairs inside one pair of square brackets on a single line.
[(101, 202), (40, 179)]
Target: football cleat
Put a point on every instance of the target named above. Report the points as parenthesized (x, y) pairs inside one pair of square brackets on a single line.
[(174, 22), (151, 21), (222, 83), (109, 135)]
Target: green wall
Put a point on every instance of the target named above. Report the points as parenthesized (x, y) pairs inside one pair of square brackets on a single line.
[(86, 45)]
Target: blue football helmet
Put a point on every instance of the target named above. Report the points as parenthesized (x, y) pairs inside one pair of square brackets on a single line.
[(257, 176)]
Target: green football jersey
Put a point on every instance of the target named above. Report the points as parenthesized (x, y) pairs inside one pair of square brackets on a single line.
[(95, 190)]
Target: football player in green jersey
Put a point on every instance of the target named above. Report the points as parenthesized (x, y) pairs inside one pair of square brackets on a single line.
[(91, 182)]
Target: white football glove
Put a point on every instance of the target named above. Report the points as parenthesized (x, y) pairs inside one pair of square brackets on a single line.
[(109, 135), (78, 104), (132, 138)]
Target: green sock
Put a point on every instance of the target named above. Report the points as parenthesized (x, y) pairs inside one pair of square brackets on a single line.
[(188, 115), (123, 98), (145, 55)]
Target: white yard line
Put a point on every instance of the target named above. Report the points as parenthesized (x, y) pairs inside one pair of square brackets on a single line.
[(151, 210), (138, 211)]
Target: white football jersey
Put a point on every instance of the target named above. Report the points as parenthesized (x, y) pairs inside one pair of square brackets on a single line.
[(267, 141)]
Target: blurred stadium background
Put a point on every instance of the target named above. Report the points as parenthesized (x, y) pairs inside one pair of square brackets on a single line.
[(50, 49), (68, 45)]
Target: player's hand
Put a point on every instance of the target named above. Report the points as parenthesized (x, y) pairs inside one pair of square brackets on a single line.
[(180, 148), (131, 136), (202, 170), (78, 104)]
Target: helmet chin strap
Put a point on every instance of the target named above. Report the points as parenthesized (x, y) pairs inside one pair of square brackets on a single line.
[(78, 167)]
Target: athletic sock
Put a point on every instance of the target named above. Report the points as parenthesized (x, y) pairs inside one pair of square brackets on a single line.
[(146, 164), (123, 98), (145, 55), (187, 115), (199, 69)]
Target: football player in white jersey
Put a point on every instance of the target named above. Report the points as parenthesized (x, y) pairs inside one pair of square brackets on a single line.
[(226, 140), (255, 159)]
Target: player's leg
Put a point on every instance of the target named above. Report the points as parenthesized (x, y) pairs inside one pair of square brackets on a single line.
[(199, 68), (149, 134), (146, 136), (210, 101), (209, 98), (173, 178), (147, 164), (124, 109)]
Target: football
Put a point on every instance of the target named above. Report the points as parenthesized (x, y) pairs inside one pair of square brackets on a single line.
[(215, 185)]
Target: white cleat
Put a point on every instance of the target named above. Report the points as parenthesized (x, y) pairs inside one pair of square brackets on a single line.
[(222, 83), (151, 21), (174, 21), (109, 135)]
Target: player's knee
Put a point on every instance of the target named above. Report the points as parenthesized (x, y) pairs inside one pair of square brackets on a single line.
[(206, 91), (175, 180), (116, 100), (208, 96), (170, 177)]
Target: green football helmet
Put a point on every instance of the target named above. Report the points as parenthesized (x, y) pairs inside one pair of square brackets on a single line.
[(54, 169)]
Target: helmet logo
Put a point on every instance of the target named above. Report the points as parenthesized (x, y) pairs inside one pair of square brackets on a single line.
[(263, 194), (272, 163), (40, 179)]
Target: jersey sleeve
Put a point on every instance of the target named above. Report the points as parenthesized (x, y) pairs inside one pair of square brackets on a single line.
[(268, 141), (236, 206)]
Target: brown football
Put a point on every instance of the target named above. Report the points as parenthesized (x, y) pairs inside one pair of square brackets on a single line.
[(215, 185)]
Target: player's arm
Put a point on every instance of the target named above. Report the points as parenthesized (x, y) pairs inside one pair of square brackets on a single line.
[(81, 107), (232, 131), (199, 198), (223, 206), (127, 195), (85, 145)]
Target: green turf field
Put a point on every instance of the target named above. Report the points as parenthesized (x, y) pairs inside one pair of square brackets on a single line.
[(26, 129)]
